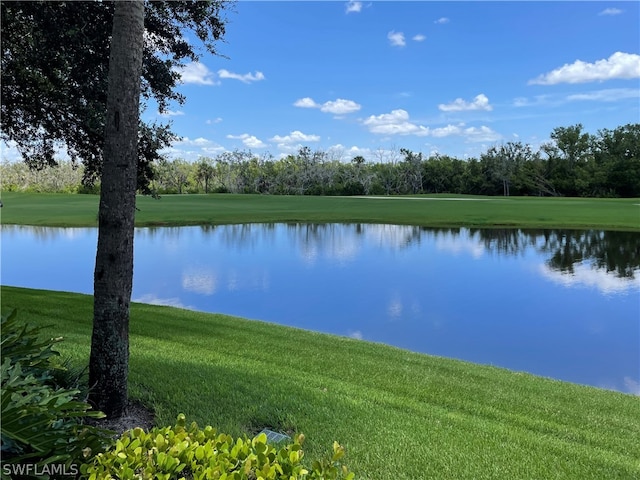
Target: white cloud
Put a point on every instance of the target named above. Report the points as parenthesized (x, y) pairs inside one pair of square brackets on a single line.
[(447, 131), (607, 95), (200, 141), (250, 141), (394, 123), (619, 65), (171, 113), (196, 73), (245, 78), (191, 149), (472, 134), (396, 39), (341, 153), (295, 137), (481, 134), (480, 102), (357, 334), (398, 123), (419, 37), (522, 102), (292, 143), (254, 142), (215, 120), (199, 74), (353, 6), (306, 102), (611, 11), (442, 20), (339, 106)]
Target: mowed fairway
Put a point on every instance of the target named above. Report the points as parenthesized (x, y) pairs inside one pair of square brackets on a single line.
[(400, 415), (531, 212)]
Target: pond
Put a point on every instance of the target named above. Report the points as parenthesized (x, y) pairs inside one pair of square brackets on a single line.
[(562, 304)]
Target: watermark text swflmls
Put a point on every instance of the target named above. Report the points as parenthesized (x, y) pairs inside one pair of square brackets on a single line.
[(31, 469)]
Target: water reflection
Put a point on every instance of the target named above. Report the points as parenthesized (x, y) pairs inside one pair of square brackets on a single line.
[(558, 303), (200, 280)]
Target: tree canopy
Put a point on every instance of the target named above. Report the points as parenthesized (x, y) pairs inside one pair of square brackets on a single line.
[(55, 59), (73, 74), (606, 164)]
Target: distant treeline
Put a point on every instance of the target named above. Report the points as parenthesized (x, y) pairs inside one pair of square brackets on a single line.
[(574, 163)]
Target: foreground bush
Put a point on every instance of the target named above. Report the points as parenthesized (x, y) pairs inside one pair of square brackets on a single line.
[(190, 452), (42, 418)]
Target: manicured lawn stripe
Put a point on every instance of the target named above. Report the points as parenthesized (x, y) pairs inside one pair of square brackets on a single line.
[(526, 212), (401, 415)]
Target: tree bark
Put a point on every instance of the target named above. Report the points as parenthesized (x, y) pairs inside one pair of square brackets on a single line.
[(113, 275)]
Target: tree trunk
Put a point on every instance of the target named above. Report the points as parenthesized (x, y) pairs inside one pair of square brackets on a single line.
[(113, 276)]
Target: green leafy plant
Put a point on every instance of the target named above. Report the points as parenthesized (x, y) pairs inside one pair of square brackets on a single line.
[(190, 452), (42, 421)]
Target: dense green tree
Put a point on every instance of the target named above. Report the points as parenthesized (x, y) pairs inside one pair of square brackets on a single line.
[(508, 166), (204, 173), (568, 153), (385, 178), (66, 177), (411, 171), (72, 75), (173, 175), (53, 84), (618, 153), (472, 177)]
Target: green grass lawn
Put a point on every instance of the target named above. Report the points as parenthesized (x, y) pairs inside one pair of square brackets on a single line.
[(532, 212), (401, 415)]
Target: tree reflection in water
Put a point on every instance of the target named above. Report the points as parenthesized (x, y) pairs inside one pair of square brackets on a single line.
[(612, 251), (615, 252)]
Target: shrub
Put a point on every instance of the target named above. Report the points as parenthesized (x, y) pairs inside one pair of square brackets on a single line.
[(89, 189), (41, 420), (190, 452)]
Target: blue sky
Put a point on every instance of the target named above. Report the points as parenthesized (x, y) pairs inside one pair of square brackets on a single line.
[(367, 78)]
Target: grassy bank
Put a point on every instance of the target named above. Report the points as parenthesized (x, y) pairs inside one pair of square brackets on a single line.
[(400, 415), (439, 210)]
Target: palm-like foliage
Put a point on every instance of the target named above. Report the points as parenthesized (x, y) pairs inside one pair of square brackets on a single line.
[(42, 422)]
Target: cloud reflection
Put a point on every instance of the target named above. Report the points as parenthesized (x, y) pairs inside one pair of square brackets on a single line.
[(342, 243), (152, 299), (392, 236), (357, 334), (309, 254), (205, 281), (585, 275), (395, 307), (326, 241), (460, 243), (628, 385), (633, 386), (201, 280), (248, 280)]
